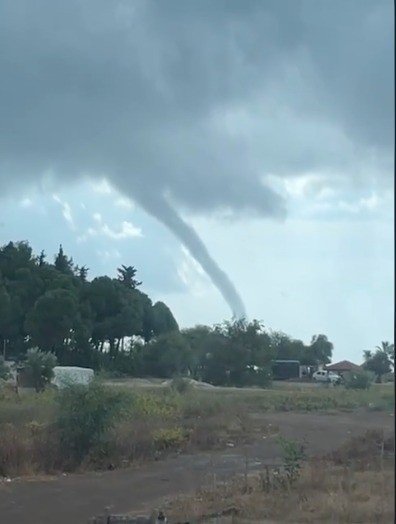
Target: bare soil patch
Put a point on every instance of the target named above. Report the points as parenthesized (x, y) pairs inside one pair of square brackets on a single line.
[(77, 497)]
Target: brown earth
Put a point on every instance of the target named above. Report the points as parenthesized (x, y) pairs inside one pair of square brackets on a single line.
[(74, 498)]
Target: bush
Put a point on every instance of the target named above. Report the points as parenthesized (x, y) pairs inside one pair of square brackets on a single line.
[(358, 380), (169, 438), (261, 377), (40, 366), (163, 405), (4, 371), (85, 415), (293, 454)]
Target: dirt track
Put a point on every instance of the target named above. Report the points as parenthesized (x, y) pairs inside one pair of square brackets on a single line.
[(73, 499)]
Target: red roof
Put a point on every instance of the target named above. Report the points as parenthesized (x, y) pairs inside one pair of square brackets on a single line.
[(344, 365)]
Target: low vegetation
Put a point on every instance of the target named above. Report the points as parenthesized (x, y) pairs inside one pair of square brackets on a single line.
[(358, 379), (354, 485), (40, 367), (4, 371), (110, 427)]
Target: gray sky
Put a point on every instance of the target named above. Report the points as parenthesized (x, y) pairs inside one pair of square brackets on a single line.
[(268, 126)]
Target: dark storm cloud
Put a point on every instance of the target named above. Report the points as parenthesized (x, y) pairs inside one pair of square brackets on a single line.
[(129, 88), (141, 92)]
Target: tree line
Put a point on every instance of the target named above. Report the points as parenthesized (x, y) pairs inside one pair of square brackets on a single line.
[(109, 323), (55, 307)]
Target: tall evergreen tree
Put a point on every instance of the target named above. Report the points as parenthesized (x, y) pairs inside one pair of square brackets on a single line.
[(126, 275), (63, 263)]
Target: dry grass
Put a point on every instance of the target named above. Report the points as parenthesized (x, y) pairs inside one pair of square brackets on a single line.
[(28, 450), (151, 425), (154, 423), (348, 490)]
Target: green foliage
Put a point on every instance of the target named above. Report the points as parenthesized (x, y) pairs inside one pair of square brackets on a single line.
[(320, 350), (40, 366), (240, 352), (84, 416), (5, 311), (381, 361), (4, 371), (166, 356), (162, 319), (126, 275), (293, 454), (287, 348), (97, 323), (164, 407), (166, 438), (387, 348), (55, 307), (358, 379), (52, 319), (63, 263)]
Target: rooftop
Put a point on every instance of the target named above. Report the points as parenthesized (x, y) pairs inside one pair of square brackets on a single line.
[(344, 365)]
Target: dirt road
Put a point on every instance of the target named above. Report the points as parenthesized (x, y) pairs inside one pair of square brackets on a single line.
[(73, 499)]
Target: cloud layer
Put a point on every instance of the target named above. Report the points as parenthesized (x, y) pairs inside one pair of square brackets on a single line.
[(197, 99), (195, 104)]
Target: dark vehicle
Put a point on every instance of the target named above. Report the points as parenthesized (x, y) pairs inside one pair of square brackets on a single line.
[(285, 369)]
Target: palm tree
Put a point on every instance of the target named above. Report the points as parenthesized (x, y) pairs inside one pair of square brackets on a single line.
[(386, 347), (389, 350)]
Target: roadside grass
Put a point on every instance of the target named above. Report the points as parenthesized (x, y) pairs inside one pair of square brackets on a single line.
[(146, 424), (356, 485), (316, 399)]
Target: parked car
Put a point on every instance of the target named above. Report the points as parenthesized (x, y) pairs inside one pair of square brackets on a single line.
[(326, 376)]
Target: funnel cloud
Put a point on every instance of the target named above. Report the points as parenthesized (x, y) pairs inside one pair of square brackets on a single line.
[(158, 207)]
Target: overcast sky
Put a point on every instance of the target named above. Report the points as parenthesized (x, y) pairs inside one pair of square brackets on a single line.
[(254, 136)]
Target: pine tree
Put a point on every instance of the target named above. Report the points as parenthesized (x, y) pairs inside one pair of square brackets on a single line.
[(62, 263)]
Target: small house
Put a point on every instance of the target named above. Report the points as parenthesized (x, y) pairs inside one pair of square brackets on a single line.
[(343, 367)]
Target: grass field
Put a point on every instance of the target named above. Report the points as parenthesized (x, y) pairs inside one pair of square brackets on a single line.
[(143, 424)]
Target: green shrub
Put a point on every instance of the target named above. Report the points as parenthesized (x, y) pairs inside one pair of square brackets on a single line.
[(169, 438), (261, 377), (293, 454), (40, 366), (4, 371), (160, 405), (358, 380), (85, 415)]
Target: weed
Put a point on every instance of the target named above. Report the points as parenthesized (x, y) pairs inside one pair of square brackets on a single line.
[(322, 492), (169, 438), (293, 454)]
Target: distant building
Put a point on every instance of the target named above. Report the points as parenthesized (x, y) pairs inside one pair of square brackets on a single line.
[(343, 367)]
